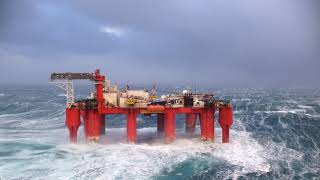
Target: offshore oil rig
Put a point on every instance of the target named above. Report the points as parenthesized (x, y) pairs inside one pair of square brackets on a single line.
[(108, 100)]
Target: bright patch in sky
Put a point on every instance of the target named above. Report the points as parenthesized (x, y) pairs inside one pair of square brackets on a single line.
[(113, 30)]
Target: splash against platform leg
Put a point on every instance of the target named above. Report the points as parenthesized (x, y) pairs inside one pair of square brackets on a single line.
[(169, 125)]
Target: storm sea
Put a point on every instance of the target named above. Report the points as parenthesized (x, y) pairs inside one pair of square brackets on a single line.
[(275, 135)]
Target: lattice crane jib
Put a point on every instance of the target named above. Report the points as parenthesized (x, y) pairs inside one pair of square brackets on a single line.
[(64, 81), (68, 87)]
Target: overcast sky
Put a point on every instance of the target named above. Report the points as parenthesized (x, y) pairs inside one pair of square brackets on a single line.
[(216, 43)]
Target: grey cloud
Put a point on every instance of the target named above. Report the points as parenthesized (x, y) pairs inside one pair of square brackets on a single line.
[(267, 43), (50, 27)]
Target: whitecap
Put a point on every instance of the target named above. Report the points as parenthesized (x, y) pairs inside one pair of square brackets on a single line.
[(285, 111), (305, 107), (145, 160)]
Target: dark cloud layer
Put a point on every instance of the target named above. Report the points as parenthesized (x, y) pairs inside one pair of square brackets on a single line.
[(268, 43)]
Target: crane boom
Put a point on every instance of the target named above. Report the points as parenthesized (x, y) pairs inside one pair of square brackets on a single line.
[(70, 76), (64, 81)]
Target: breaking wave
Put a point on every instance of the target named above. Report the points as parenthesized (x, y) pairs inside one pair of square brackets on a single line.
[(274, 136)]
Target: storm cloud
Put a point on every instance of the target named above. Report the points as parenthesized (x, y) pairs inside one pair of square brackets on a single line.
[(241, 43)]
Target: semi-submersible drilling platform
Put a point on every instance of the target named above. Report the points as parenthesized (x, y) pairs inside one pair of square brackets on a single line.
[(108, 100)]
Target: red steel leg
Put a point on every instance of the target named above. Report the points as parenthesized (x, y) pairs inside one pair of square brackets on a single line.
[(84, 115), (131, 126), (225, 120), (73, 122), (93, 125), (169, 126), (203, 125), (225, 134), (210, 124)]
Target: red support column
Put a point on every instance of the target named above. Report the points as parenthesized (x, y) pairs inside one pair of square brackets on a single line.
[(73, 122), (169, 125), (84, 114), (203, 124), (225, 120), (99, 79), (191, 122), (160, 123), (93, 125), (131, 126), (210, 124)]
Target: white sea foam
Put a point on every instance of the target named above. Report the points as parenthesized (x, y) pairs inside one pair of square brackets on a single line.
[(2, 94), (285, 111), (305, 107), (111, 159), (142, 161), (114, 158)]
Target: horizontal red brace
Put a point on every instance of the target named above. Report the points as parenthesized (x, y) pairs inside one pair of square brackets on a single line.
[(181, 110)]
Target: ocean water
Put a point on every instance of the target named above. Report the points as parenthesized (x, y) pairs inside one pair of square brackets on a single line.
[(275, 135)]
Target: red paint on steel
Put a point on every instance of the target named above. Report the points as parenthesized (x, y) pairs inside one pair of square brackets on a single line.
[(156, 108), (73, 122), (190, 122), (99, 80), (210, 124), (203, 124), (225, 120), (169, 125), (93, 125), (160, 123), (165, 121), (84, 115), (94, 119), (131, 126)]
